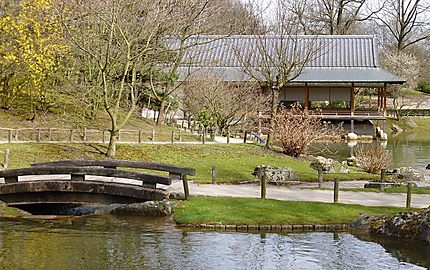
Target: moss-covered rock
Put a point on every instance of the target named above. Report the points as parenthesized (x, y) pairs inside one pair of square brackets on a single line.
[(406, 225), (6, 211)]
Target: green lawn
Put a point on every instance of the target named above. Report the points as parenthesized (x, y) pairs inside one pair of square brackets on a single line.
[(234, 162), (218, 210)]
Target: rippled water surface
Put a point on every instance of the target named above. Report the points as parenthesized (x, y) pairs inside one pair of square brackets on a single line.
[(110, 242)]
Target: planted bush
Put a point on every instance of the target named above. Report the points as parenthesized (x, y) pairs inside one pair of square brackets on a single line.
[(372, 159), (296, 129)]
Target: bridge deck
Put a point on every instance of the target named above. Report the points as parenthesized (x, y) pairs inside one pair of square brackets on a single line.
[(80, 189)]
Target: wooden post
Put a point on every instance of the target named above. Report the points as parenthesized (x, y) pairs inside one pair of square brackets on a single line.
[(85, 134), (16, 135), (382, 179), (38, 135), (306, 97), (6, 158), (9, 135), (263, 183), (71, 135), (204, 135), (320, 177), (153, 135), (352, 99), (186, 189), (245, 134), (336, 191), (228, 135), (213, 175), (384, 98), (103, 136), (180, 135), (409, 195), (140, 136), (172, 137), (49, 134), (119, 135)]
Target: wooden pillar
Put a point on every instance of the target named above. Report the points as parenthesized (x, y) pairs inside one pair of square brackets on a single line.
[(352, 99), (384, 91), (379, 99), (306, 97)]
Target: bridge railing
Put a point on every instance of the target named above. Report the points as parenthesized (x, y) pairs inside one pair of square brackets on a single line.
[(79, 169)]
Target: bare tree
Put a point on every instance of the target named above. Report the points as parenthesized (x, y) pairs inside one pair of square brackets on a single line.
[(228, 104), (296, 129), (405, 65), (191, 18), (275, 60), (406, 22), (334, 17), (120, 37)]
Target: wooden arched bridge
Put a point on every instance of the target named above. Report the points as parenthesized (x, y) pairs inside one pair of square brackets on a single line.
[(89, 181)]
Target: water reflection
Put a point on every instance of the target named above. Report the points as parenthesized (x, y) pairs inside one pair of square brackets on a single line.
[(110, 242), (404, 149)]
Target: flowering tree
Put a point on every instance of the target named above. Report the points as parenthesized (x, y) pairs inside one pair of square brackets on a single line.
[(31, 52)]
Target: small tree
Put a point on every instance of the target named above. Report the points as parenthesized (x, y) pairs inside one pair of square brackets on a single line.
[(278, 56), (296, 129), (372, 159), (228, 103)]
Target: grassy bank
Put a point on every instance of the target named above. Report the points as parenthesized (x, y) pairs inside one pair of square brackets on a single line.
[(233, 162), (420, 132), (218, 210)]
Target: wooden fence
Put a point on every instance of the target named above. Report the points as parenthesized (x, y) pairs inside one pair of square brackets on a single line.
[(90, 135)]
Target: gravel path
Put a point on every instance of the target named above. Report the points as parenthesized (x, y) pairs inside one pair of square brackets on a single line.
[(299, 194)]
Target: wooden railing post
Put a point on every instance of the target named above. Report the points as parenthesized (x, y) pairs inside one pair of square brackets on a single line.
[(228, 135), (9, 135), (214, 175), (71, 135), (336, 191), (180, 135), (153, 135), (16, 135), (263, 183), (245, 134), (6, 158), (49, 134), (320, 177), (103, 136), (38, 135), (85, 134), (409, 195), (186, 189), (140, 136), (172, 137), (119, 135)]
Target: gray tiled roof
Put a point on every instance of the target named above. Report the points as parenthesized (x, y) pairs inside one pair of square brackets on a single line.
[(337, 58)]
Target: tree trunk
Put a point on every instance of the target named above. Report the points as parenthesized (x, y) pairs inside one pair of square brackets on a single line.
[(272, 120), (160, 118), (113, 139)]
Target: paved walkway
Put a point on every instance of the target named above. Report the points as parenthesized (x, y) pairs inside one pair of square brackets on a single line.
[(298, 194)]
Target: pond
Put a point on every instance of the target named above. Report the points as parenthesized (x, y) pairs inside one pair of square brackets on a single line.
[(404, 149), (118, 242)]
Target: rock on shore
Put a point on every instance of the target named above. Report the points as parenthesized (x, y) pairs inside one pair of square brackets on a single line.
[(150, 208), (406, 225)]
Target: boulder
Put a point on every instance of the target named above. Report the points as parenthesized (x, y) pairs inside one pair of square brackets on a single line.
[(150, 208), (381, 134), (343, 169), (351, 161), (408, 174), (322, 163), (410, 123), (396, 129), (407, 225), (428, 167), (352, 136), (276, 175)]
